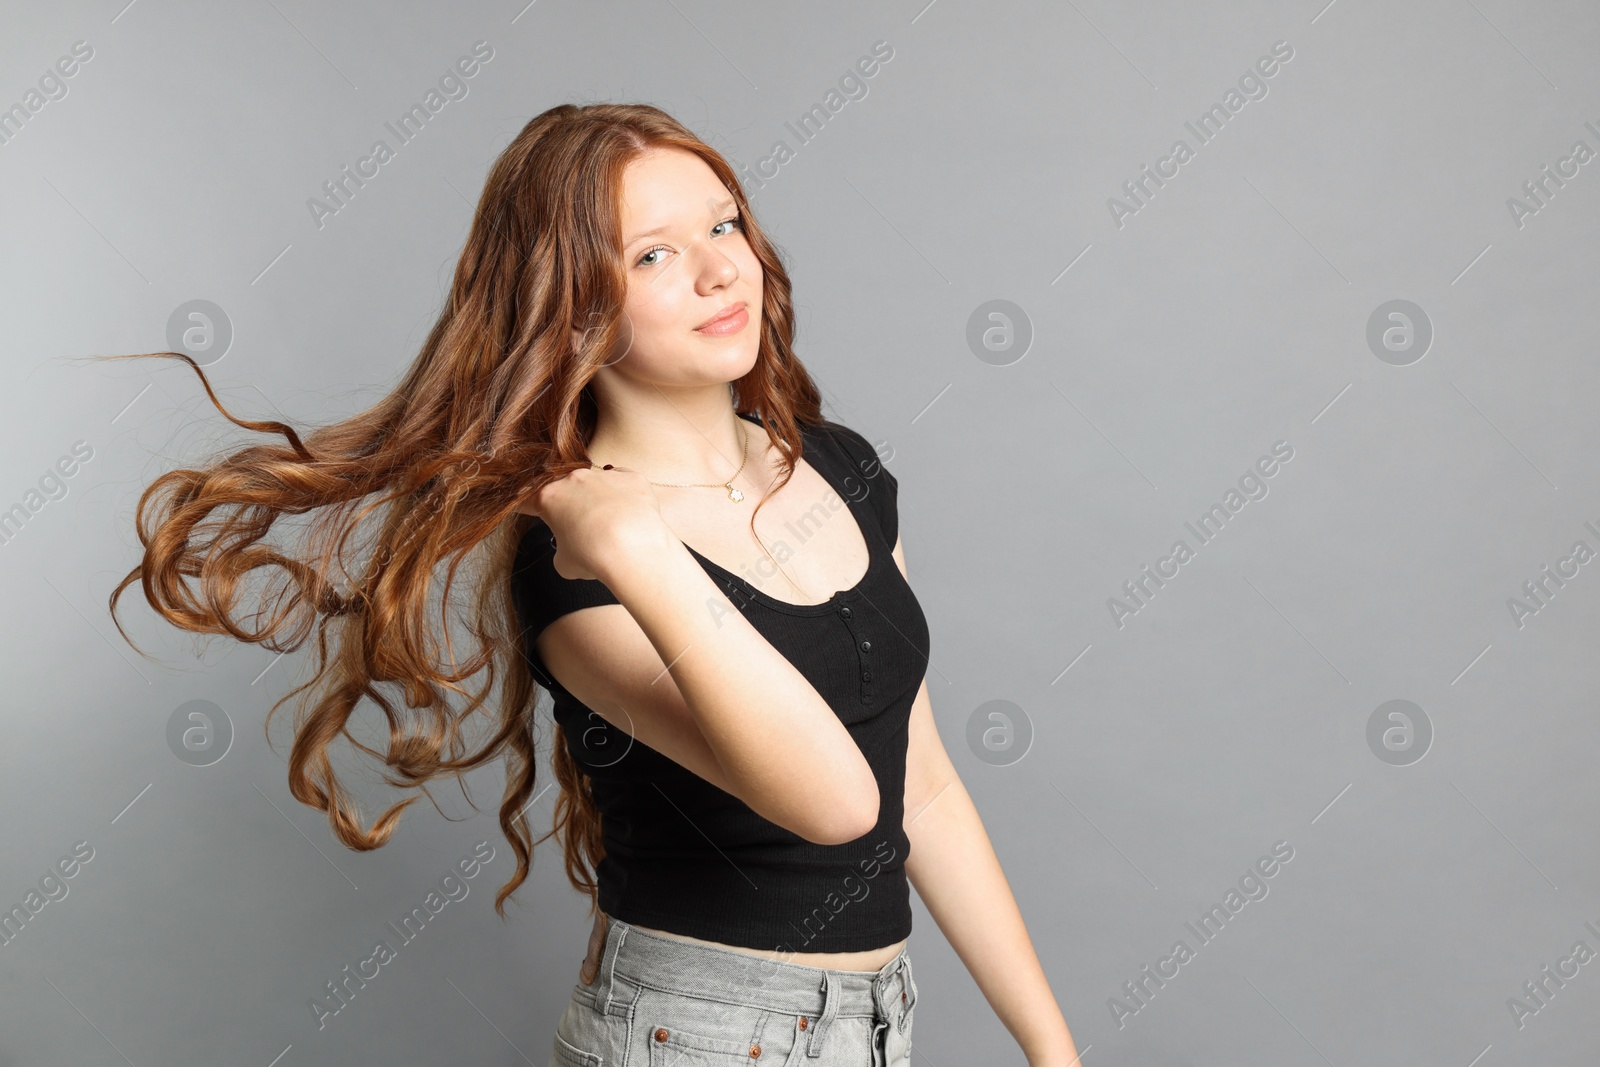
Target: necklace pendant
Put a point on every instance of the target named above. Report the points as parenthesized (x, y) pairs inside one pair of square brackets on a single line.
[(735, 495)]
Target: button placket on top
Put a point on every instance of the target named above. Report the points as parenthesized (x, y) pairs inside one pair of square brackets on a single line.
[(863, 646)]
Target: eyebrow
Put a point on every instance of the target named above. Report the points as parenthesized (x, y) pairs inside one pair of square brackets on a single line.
[(730, 202)]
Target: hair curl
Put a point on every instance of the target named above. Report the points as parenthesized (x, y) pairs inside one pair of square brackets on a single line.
[(494, 407)]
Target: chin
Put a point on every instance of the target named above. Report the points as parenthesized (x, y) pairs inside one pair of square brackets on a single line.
[(745, 362), (728, 362)]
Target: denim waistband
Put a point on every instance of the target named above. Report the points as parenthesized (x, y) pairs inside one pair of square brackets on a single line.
[(632, 957)]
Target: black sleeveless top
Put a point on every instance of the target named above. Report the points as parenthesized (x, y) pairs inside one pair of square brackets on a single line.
[(684, 856)]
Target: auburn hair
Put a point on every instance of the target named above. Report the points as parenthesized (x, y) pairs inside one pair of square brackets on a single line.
[(495, 406)]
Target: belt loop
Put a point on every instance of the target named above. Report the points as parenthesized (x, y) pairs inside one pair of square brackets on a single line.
[(606, 961), (830, 1009), (908, 989), (597, 944), (614, 939), (880, 1005)]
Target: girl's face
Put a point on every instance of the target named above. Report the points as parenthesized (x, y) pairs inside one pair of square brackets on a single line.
[(687, 261)]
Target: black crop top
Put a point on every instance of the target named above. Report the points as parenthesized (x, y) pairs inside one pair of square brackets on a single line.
[(684, 856)]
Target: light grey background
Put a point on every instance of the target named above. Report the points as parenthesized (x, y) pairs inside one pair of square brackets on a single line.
[(1169, 353)]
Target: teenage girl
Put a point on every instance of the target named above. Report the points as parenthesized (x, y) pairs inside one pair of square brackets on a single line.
[(747, 705)]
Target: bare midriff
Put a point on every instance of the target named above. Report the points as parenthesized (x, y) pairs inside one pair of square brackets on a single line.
[(865, 960)]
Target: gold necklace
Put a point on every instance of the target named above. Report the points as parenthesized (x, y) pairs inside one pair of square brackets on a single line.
[(734, 495)]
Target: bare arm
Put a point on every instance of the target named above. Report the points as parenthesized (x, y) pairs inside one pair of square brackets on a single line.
[(956, 873), (727, 705)]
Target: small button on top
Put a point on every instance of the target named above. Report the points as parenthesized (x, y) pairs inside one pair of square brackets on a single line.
[(844, 613), (866, 646), (803, 1022), (661, 1034)]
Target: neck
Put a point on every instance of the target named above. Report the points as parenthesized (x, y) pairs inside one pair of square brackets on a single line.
[(693, 438)]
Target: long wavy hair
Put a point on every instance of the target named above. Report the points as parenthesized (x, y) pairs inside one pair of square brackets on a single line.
[(495, 406)]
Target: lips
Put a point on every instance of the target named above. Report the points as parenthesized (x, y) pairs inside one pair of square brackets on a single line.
[(722, 316)]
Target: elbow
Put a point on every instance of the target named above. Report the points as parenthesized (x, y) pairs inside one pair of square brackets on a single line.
[(832, 811), (841, 823)]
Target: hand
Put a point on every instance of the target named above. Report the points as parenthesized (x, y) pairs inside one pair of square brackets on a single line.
[(594, 514)]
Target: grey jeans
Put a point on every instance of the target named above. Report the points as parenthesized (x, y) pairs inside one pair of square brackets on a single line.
[(654, 1001)]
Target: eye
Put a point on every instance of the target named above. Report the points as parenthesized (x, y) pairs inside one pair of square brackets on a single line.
[(736, 221)]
